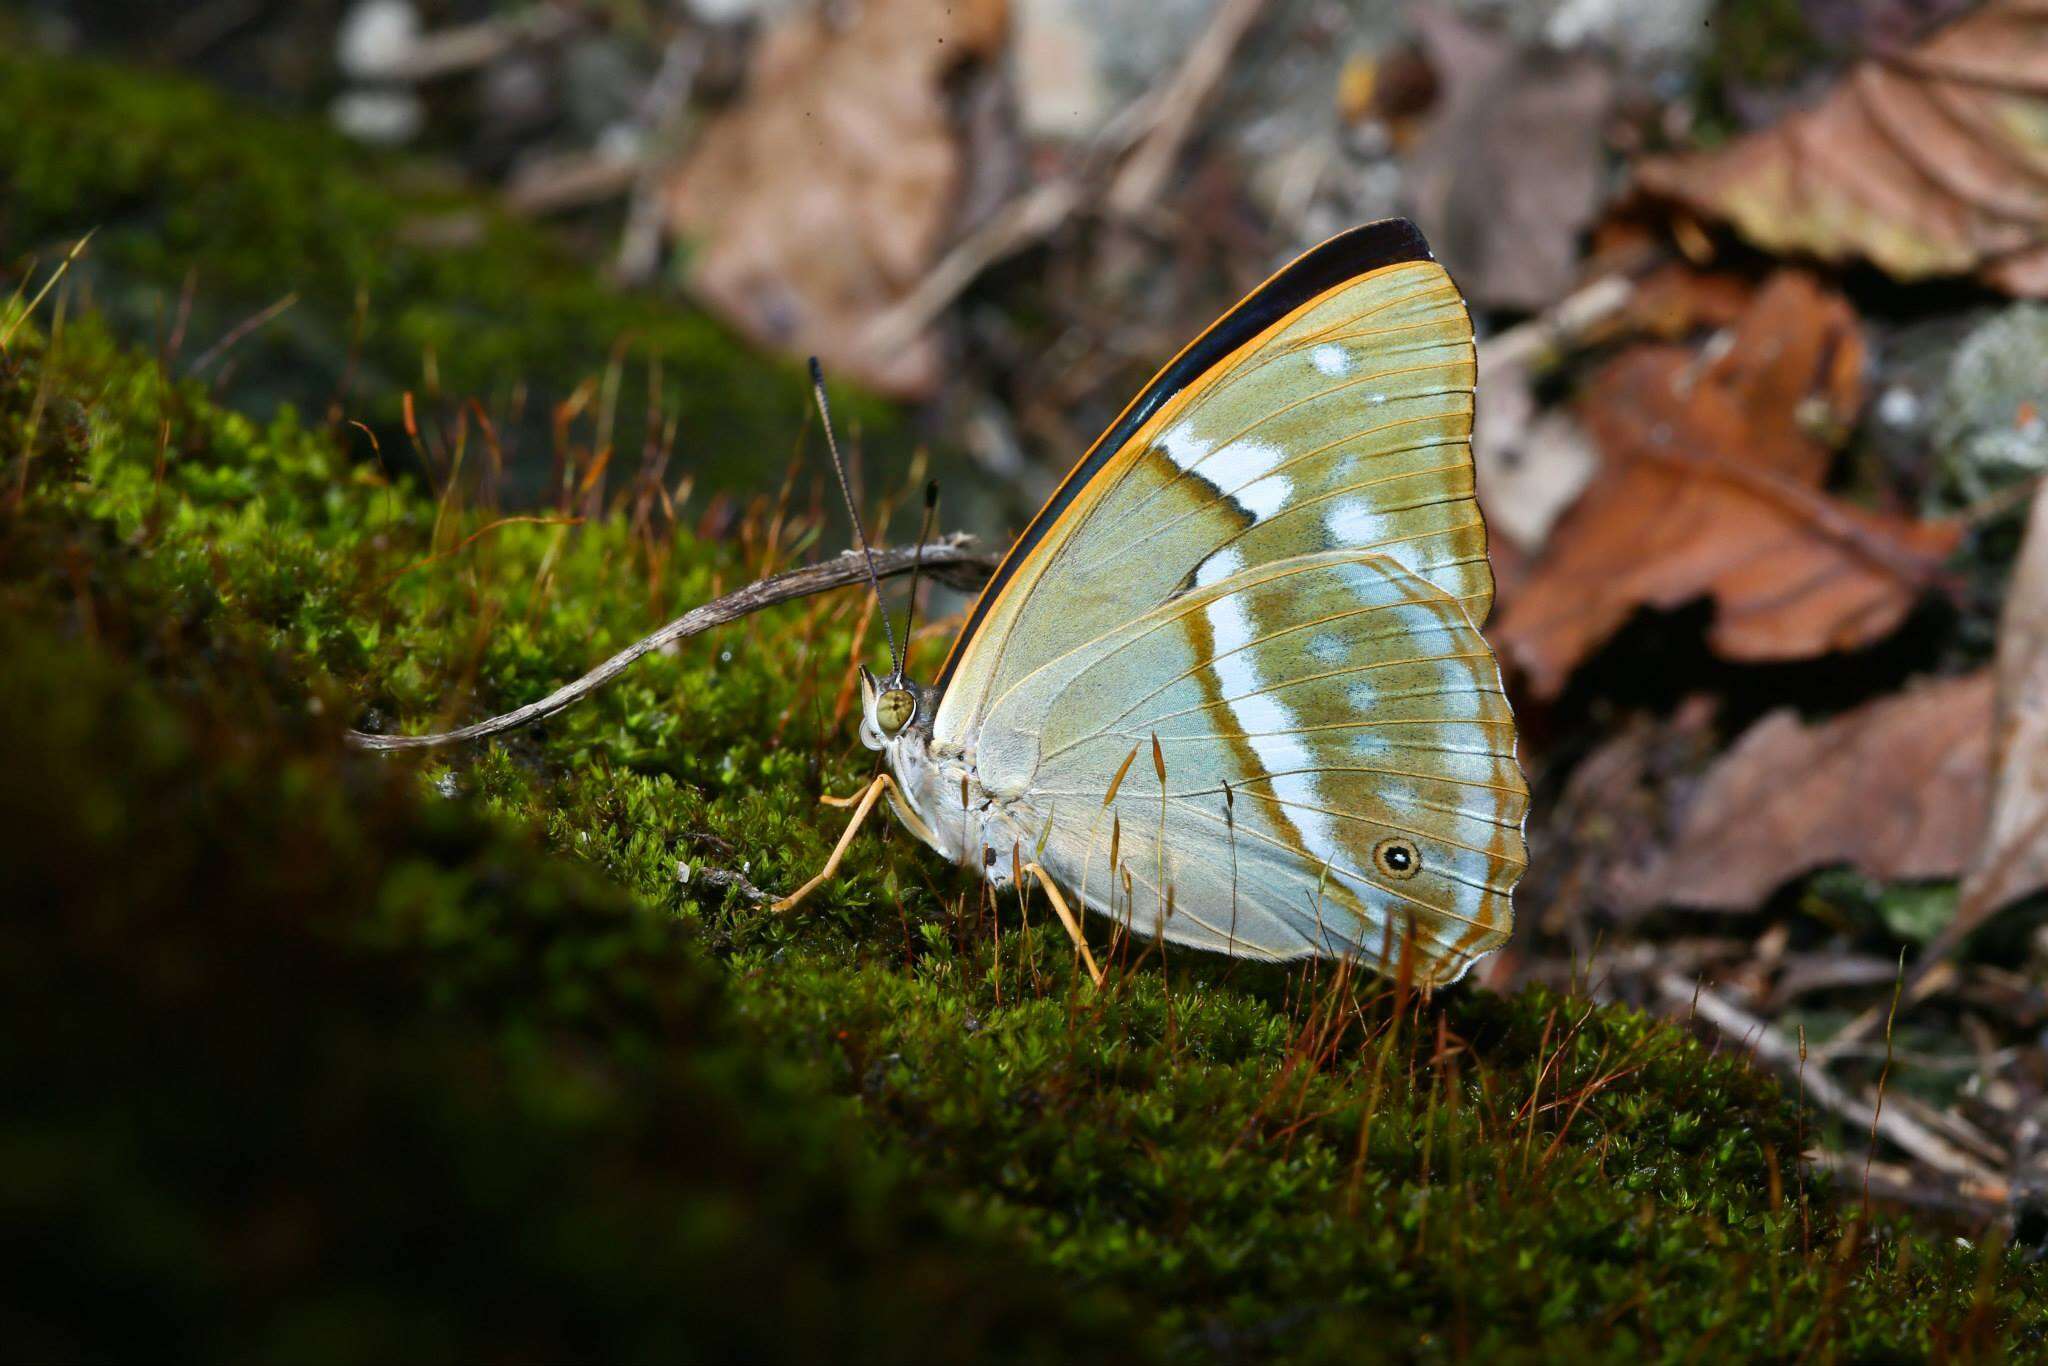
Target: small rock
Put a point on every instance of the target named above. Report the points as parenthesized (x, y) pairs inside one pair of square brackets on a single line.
[(1899, 406), (1990, 428), (376, 38), (384, 117)]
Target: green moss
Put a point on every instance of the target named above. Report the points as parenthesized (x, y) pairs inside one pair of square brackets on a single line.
[(308, 1063), (403, 279), (580, 1070)]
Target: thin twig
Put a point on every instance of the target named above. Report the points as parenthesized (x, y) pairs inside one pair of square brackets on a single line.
[(1890, 1181), (1138, 185), (1028, 219), (241, 330), (667, 120), (1776, 1051), (1560, 328), (948, 558), (466, 47), (726, 877), (1916, 568)]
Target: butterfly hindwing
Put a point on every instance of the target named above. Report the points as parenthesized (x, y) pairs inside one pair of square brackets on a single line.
[(1311, 714)]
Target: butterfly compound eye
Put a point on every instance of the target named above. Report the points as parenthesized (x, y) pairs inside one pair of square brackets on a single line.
[(893, 710), (1397, 858)]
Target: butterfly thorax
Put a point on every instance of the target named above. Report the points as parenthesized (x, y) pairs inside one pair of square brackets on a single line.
[(938, 793)]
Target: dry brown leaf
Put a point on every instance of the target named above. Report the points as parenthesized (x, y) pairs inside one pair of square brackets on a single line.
[(2014, 858), (1927, 161), (1512, 169), (1711, 488), (1896, 788), (822, 198)]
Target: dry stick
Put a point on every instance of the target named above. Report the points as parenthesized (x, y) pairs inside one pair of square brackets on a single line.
[(1025, 221), (1898, 1184), (1928, 977), (1775, 1050), (1558, 329), (1148, 134), (949, 557), (453, 51), (1138, 185), (725, 877)]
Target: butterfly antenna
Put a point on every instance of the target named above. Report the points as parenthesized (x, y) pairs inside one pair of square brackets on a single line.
[(853, 513), (924, 533)]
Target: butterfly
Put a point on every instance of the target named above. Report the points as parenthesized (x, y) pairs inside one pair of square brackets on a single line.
[(1268, 577)]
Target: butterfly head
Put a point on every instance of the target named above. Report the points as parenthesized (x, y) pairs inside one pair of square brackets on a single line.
[(890, 707)]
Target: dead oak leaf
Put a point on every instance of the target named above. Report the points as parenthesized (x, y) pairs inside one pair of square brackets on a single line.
[(1711, 488), (822, 198), (1896, 788), (1926, 161)]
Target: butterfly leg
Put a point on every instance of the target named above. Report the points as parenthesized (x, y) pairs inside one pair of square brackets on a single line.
[(1066, 915), (904, 811), (863, 805)]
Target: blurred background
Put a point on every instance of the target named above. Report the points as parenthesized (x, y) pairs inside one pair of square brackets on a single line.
[(1763, 397)]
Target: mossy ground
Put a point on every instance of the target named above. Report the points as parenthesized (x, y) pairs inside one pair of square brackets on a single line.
[(387, 278), (330, 1055), (316, 1055)]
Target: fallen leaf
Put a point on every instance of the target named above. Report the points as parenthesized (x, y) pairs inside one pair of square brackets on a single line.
[(1897, 788), (1711, 487), (1511, 170), (1926, 161), (1674, 300), (825, 194), (2014, 858)]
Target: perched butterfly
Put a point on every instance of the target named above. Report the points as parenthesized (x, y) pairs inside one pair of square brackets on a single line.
[(1267, 577)]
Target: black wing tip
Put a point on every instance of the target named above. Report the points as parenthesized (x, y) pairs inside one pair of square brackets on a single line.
[(1385, 242)]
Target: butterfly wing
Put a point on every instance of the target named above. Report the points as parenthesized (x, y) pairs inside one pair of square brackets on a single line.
[(1339, 768), (1273, 561)]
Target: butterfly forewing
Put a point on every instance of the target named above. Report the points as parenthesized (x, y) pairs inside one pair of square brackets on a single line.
[(1278, 571)]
